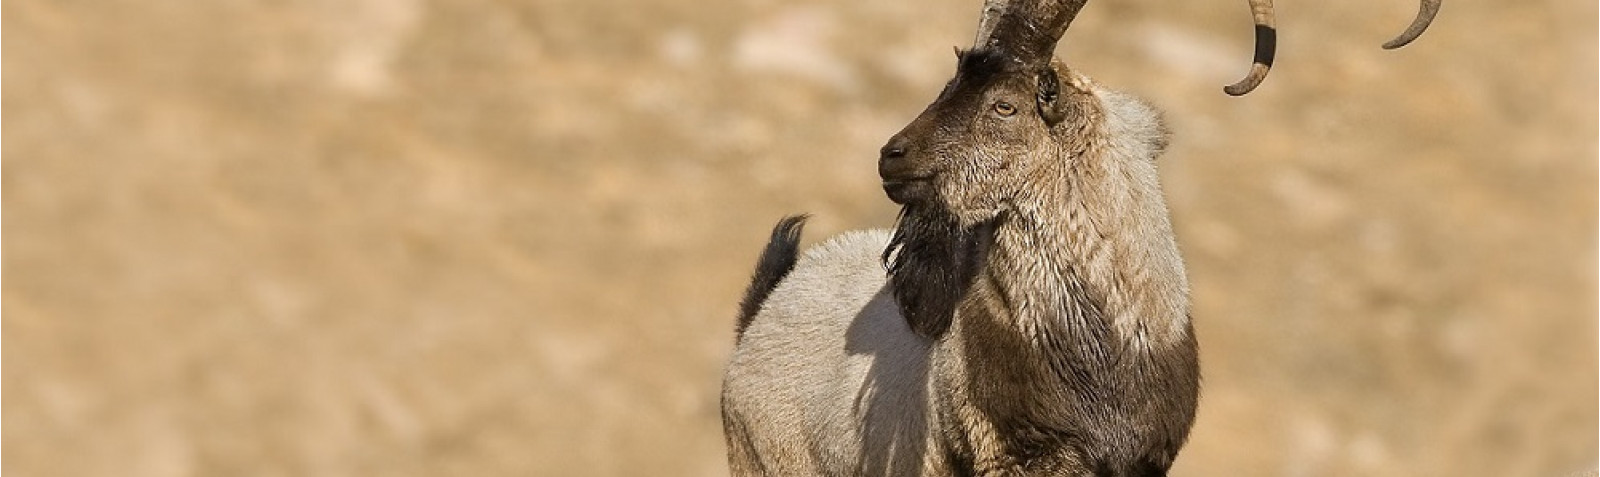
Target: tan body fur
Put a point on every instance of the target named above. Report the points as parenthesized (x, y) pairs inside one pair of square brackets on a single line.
[(830, 380)]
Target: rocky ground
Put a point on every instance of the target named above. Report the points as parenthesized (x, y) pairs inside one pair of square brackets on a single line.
[(412, 237)]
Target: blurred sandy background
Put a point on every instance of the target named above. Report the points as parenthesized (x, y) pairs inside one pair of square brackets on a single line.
[(424, 238)]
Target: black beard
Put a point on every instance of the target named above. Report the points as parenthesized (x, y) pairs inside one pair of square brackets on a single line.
[(932, 261)]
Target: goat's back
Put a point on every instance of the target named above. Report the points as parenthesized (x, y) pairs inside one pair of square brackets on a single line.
[(828, 379)]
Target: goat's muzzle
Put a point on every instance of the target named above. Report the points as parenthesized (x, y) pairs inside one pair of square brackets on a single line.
[(903, 181)]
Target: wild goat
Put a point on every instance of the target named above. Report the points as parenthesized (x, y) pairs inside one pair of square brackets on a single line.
[(1034, 317)]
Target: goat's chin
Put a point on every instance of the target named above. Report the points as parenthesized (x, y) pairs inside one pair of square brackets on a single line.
[(910, 192)]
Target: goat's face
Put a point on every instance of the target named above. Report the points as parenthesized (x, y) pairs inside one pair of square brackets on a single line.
[(994, 130)]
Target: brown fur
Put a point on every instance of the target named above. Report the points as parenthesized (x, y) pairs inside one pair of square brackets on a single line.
[(1069, 351), (1034, 320), (1037, 265)]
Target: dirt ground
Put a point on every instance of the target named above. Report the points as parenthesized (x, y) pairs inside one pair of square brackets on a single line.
[(490, 237)]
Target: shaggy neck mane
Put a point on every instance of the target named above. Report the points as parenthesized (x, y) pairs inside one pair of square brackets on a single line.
[(1024, 266), (1053, 261), (932, 260), (1066, 315)]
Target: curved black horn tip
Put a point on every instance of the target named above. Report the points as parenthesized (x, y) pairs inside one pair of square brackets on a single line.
[(1425, 14)]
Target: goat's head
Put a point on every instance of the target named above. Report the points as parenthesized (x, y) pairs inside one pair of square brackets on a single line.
[(1009, 110)]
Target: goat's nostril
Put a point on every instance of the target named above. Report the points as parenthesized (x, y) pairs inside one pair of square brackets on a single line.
[(892, 152), (897, 147)]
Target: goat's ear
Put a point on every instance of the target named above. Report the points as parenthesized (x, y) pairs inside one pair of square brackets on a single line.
[(1050, 107)]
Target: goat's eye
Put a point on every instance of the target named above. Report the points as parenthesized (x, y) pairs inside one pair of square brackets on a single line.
[(1004, 108)]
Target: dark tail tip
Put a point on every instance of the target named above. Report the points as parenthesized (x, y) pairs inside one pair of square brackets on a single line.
[(775, 263)]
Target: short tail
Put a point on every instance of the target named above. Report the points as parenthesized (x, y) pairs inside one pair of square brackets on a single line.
[(776, 262)]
